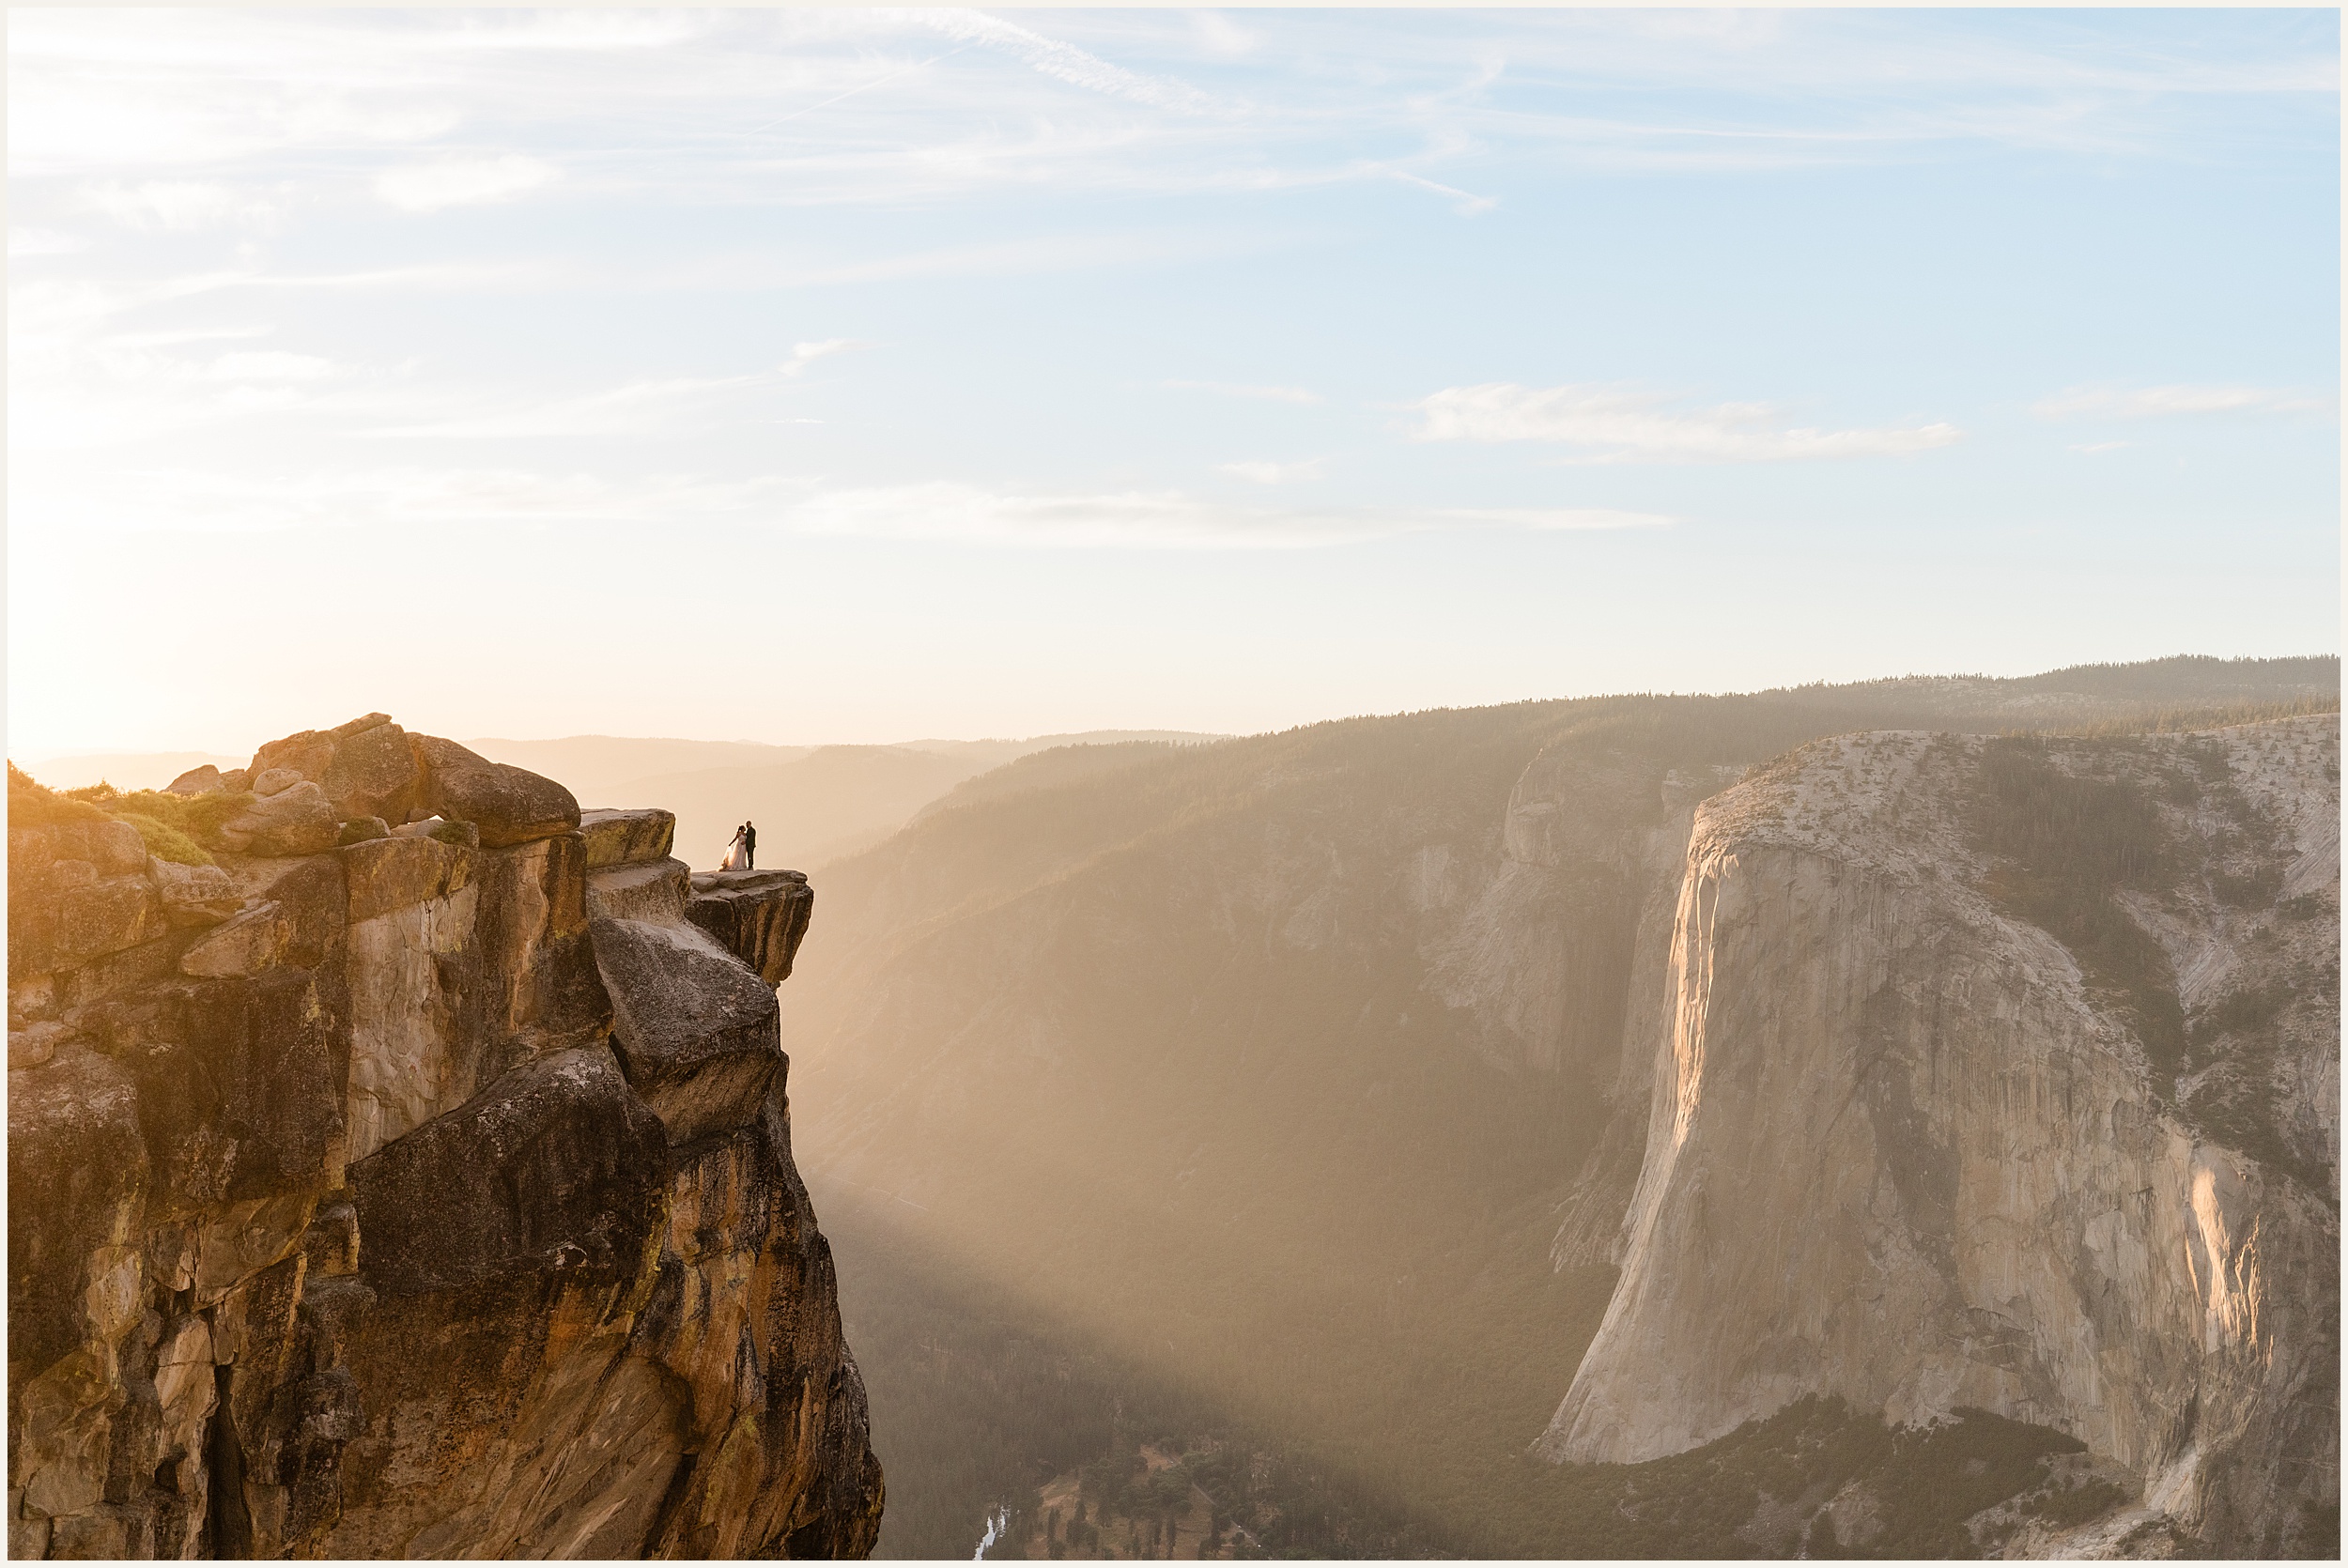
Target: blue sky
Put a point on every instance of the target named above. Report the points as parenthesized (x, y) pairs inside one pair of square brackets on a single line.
[(832, 375)]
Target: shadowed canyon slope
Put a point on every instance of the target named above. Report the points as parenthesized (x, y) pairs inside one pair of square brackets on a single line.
[(1319, 1072), (400, 1165)]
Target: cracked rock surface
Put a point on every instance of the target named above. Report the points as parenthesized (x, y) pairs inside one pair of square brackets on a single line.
[(352, 1213)]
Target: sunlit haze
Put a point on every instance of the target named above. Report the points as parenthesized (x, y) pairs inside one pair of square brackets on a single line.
[(855, 377)]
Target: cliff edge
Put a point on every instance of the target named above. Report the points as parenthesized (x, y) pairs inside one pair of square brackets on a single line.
[(399, 1166)]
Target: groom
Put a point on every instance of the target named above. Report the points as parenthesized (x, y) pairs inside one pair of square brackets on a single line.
[(750, 846)]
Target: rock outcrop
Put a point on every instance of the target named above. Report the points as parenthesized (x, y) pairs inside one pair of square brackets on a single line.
[(413, 1180), (758, 916), (1999, 1074)]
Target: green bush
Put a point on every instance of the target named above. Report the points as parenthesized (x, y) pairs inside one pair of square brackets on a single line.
[(166, 842), (179, 828), (199, 817), (32, 804)]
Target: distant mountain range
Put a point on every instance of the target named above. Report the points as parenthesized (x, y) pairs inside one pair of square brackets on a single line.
[(813, 804)]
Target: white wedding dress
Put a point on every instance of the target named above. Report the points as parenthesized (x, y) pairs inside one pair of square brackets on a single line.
[(736, 854)]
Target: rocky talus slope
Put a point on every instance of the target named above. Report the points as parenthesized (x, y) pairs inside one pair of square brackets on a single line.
[(400, 1165), (2003, 1074)]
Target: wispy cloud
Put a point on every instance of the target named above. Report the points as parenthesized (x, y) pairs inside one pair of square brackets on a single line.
[(177, 204), (2150, 402), (462, 181), (758, 269), (806, 354), (1218, 35), (205, 501), (1065, 62), (1466, 204), (1105, 101), (208, 502), (637, 407), (1153, 519), (1264, 394), (1273, 473), (1610, 426)]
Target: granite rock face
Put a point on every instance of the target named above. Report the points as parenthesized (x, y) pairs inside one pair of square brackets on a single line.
[(1909, 1146), (353, 1214), (758, 916)]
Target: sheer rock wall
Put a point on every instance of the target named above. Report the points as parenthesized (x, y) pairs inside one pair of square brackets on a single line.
[(1902, 1146), (415, 1182)]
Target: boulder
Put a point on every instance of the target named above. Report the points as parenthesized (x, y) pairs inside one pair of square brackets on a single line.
[(107, 917), (758, 916), (560, 1168), (698, 1035), (464, 835), (361, 725), (306, 753), (193, 896), (626, 837), (270, 782), (37, 1044), (360, 829), (77, 891), (111, 849), (195, 781), (653, 890), (389, 873), (295, 820), (251, 942), (509, 805), (374, 773), (311, 893)]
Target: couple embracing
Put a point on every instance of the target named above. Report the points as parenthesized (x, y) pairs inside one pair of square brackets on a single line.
[(742, 853)]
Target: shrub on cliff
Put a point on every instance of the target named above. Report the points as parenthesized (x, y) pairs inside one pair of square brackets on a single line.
[(166, 842), (174, 827), (197, 817), (33, 804)]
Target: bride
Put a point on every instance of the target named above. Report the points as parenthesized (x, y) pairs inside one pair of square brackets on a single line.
[(735, 853)]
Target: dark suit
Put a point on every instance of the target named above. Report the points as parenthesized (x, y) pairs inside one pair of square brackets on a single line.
[(750, 849)]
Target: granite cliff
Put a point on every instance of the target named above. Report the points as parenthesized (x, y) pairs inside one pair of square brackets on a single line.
[(1998, 1074), (400, 1165)]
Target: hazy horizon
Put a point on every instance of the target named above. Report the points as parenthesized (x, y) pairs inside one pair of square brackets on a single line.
[(239, 752), (864, 375)]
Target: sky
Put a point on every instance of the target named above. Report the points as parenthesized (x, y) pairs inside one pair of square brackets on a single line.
[(856, 376)]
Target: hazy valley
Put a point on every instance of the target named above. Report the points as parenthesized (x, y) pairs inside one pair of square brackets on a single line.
[(1302, 1104)]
